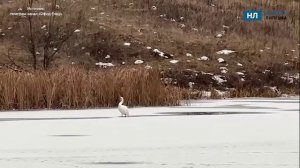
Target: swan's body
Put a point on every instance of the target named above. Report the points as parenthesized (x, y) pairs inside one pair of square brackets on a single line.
[(122, 108)]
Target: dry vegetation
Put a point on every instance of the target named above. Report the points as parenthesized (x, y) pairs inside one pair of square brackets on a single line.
[(66, 88), (268, 50)]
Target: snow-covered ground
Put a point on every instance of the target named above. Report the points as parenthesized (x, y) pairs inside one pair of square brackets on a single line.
[(236, 133)]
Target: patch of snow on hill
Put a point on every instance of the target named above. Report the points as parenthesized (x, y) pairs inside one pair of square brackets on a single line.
[(225, 52)]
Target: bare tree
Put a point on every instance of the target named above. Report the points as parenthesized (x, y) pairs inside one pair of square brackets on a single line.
[(58, 31), (32, 45)]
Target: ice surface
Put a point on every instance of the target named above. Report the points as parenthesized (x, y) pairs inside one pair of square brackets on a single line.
[(234, 133)]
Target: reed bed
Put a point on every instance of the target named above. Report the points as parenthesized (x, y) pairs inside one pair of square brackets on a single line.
[(75, 88)]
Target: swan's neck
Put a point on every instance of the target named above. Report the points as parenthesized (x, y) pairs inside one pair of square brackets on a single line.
[(121, 102)]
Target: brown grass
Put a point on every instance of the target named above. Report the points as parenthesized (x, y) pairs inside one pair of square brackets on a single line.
[(77, 88)]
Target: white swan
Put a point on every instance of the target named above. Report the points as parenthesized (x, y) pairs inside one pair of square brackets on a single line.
[(123, 109)]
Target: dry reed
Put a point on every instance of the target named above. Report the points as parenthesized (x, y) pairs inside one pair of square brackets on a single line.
[(68, 88)]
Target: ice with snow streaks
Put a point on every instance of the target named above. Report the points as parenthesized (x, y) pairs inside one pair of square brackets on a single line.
[(232, 133)]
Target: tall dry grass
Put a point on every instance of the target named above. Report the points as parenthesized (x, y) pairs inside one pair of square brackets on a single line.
[(78, 88)]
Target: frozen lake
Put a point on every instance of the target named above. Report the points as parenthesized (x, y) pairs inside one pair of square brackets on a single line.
[(236, 133)]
